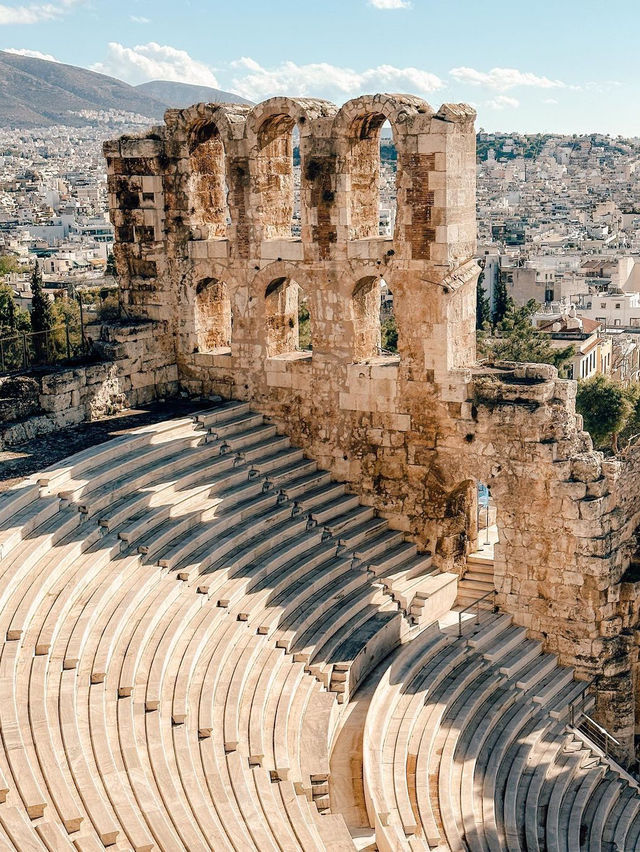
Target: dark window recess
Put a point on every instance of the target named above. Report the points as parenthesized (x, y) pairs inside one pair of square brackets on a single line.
[(145, 233)]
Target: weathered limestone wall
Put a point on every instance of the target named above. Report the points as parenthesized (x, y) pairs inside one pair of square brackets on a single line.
[(566, 527), (137, 365), (412, 433), (230, 278)]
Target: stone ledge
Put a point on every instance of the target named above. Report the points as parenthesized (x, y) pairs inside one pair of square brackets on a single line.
[(289, 357), (290, 248), (370, 248)]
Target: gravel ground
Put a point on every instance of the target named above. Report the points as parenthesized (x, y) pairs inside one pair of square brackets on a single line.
[(21, 461)]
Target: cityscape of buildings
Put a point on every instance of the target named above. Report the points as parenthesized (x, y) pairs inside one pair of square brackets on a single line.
[(53, 201), (558, 223)]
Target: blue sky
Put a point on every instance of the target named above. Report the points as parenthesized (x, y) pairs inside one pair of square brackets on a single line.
[(562, 66)]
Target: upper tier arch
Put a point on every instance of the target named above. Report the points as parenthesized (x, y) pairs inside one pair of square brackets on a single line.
[(300, 111), (229, 119), (357, 117), (270, 140)]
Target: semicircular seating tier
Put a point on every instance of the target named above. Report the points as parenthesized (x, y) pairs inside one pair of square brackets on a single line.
[(189, 617)]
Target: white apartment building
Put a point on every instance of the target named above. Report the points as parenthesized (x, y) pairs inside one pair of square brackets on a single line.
[(615, 309), (592, 350)]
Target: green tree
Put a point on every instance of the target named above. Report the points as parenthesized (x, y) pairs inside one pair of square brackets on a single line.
[(108, 307), (630, 432), (502, 301), (389, 334), (606, 408), (519, 340), (483, 309), (13, 319), (41, 315), (8, 264), (65, 315)]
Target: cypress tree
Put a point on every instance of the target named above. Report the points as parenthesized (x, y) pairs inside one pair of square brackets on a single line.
[(483, 310), (111, 266), (41, 316), (11, 313), (502, 302)]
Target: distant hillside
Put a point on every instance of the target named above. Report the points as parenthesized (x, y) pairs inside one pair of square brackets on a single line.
[(37, 93), (184, 94)]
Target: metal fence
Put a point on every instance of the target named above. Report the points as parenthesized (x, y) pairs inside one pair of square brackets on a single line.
[(24, 350), (597, 734)]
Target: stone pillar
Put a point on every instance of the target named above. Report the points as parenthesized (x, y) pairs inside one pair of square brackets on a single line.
[(135, 170)]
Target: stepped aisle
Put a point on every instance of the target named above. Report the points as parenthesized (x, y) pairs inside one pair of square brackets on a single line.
[(184, 612)]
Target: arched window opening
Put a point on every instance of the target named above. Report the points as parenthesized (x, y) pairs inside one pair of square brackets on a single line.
[(388, 325), (288, 318), (209, 208), (372, 168), (387, 192), (296, 216), (213, 317), (304, 322), (278, 181), (468, 535), (374, 323)]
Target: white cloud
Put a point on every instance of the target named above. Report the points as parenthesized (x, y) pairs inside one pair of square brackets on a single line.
[(551, 101), (154, 62), (600, 86), (503, 79), (503, 102), (253, 81), (139, 19), (35, 54), (321, 79), (34, 12), (390, 4)]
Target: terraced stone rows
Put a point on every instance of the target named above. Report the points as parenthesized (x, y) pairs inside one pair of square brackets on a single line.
[(467, 746), (185, 613), (175, 606)]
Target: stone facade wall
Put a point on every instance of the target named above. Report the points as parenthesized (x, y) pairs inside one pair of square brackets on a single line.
[(567, 526), (414, 432), (428, 265), (136, 365)]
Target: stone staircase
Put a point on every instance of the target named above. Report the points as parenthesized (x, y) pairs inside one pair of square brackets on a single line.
[(187, 615), (477, 581)]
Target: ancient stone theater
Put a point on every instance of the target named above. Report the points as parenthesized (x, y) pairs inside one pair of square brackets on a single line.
[(365, 598)]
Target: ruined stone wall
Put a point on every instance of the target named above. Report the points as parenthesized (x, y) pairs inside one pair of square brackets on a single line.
[(242, 282), (412, 433), (135, 365), (135, 183), (566, 519)]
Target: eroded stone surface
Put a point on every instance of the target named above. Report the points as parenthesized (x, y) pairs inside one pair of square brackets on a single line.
[(134, 365)]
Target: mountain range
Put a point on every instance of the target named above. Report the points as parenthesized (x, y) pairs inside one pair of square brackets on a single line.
[(40, 93), (184, 94)]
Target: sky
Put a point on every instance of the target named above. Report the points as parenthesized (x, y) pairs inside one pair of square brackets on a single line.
[(558, 66)]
